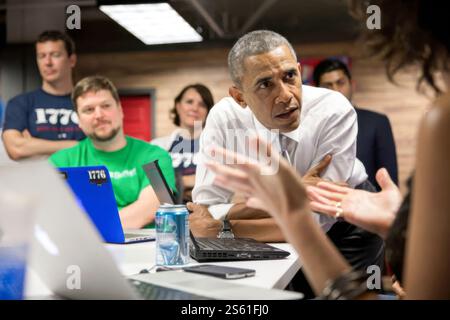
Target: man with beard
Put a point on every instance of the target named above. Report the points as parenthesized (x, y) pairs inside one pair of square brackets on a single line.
[(101, 119)]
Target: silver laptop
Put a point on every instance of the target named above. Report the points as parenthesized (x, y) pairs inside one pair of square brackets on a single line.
[(65, 239)]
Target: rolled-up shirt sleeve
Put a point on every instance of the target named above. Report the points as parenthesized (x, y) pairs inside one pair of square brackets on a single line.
[(338, 138), (205, 192)]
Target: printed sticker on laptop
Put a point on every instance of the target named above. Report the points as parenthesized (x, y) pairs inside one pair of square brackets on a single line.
[(97, 176)]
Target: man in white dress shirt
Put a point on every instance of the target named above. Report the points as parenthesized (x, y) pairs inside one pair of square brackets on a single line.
[(267, 98)]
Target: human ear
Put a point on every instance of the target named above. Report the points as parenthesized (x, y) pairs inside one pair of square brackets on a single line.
[(237, 95)]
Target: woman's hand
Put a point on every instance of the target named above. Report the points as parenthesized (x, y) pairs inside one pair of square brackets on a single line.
[(269, 184), (374, 212)]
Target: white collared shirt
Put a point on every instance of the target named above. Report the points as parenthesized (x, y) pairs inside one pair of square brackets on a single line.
[(328, 125)]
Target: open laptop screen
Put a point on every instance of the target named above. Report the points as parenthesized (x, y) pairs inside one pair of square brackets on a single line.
[(159, 184)]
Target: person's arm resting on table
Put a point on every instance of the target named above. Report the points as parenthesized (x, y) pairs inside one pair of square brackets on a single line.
[(203, 224)]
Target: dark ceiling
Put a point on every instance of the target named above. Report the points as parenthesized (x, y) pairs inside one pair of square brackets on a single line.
[(220, 22)]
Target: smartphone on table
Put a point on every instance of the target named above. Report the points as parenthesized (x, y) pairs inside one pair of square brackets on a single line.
[(221, 271)]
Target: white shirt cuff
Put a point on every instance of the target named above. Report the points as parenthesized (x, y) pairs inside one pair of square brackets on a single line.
[(219, 211)]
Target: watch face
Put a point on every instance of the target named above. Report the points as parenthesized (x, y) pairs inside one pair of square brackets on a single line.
[(225, 235), (226, 232)]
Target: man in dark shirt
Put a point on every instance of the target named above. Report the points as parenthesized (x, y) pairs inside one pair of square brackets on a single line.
[(43, 121), (375, 145)]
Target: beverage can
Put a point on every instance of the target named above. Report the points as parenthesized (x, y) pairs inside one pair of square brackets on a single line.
[(172, 235)]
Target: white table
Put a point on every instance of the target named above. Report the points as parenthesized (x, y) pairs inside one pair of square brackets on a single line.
[(132, 258)]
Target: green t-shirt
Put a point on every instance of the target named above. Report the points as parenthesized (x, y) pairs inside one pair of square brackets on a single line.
[(124, 165)]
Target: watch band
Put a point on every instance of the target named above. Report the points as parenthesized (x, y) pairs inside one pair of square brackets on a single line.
[(226, 225), (226, 232)]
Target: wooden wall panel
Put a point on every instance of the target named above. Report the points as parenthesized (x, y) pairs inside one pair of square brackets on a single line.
[(169, 71)]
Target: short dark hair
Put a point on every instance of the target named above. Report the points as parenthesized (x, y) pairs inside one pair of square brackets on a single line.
[(93, 83), (250, 44), (55, 35), (202, 90), (329, 65)]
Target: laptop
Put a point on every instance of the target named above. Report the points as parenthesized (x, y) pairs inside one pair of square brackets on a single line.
[(93, 189), (213, 249), (65, 239)]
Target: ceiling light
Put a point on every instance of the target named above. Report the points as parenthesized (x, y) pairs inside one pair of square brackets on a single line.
[(153, 24)]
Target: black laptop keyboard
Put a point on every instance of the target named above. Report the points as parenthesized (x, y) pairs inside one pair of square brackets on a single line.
[(150, 291), (232, 245)]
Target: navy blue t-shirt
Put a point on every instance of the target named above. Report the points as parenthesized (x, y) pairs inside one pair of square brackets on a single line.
[(184, 155), (44, 115)]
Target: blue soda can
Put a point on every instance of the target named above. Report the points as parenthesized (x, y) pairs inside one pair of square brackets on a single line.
[(172, 235)]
